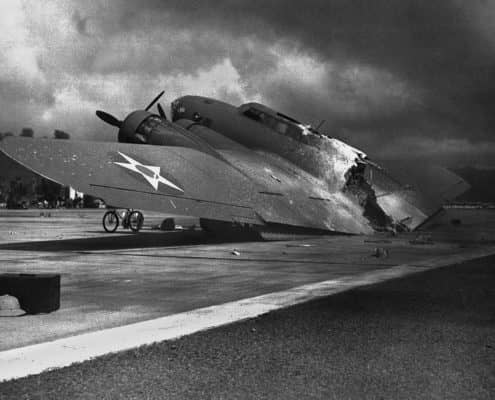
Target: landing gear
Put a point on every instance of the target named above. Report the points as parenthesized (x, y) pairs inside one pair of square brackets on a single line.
[(131, 219), (229, 230)]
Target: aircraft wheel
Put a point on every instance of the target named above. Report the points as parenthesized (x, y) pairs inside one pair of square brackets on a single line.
[(136, 220), (110, 221)]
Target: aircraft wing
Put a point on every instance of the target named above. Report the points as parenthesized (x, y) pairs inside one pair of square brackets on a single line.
[(175, 180), (243, 187)]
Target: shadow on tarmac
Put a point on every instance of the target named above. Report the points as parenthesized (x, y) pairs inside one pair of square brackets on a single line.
[(128, 241)]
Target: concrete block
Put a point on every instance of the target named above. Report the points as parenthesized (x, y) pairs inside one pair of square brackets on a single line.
[(37, 293)]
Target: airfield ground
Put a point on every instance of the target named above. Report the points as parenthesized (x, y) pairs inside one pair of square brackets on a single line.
[(433, 331), (430, 336)]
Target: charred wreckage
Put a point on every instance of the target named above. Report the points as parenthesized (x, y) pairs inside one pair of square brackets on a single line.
[(242, 168)]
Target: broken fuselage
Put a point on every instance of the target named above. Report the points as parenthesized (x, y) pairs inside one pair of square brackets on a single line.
[(249, 167), (386, 202)]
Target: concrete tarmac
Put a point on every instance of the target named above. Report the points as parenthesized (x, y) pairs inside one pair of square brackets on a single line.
[(426, 336), (109, 280)]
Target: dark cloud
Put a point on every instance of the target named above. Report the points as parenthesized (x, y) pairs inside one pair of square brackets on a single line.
[(81, 23), (439, 48), (379, 72)]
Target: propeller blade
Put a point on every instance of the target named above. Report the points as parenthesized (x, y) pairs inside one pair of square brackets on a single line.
[(154, 101), (108, 118), (161, 111)]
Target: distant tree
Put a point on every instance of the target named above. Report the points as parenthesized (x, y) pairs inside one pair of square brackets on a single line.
[(5, 134), (27, 132), (48, 190), (58, 134)]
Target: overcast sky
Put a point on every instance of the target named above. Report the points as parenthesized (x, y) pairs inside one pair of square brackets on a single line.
[(394, 78)]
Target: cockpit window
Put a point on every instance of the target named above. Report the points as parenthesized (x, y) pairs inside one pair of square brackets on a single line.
[(276, 123), (252, 113)]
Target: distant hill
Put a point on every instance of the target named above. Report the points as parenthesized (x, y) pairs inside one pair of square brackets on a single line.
[(482, 183)]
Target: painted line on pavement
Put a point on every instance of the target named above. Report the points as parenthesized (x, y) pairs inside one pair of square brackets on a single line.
[(34, 359)]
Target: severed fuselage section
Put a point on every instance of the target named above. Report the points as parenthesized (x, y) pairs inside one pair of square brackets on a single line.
[(387, 202)]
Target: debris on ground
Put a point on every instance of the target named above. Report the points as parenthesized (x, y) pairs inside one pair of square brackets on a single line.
[(422, 239), (377, 241), (236, 252), (380, 252)]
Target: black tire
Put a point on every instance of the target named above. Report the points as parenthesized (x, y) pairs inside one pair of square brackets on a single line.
[(110, 221), (136, 220)]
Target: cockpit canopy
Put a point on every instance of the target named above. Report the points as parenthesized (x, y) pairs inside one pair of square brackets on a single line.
[(278, 122)]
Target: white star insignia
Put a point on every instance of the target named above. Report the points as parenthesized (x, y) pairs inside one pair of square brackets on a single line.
[(149, 172)]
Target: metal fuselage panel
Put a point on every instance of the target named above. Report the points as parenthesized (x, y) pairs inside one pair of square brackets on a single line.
[(326, 159)]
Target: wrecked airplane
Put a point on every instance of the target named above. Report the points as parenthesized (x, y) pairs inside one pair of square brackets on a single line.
[(396, 195), (241, 168)]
